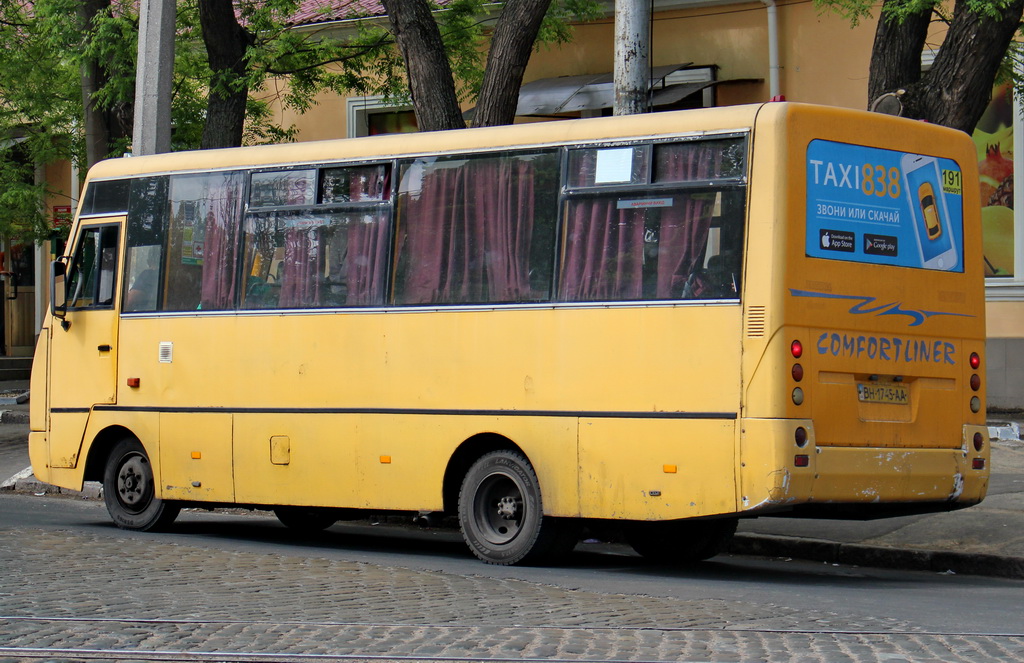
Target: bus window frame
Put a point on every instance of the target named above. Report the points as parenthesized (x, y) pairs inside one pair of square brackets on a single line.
[(97, 264), (565, 193)]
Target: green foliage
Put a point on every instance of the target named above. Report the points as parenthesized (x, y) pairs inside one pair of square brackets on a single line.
[(894, 10), (39, 106), (557, 25), (46, 46)]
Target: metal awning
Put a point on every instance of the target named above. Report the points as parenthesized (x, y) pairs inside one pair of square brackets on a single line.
[(570, 94), (671, 94)]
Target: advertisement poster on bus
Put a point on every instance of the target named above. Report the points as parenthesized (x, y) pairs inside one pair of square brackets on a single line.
[(867, 204)]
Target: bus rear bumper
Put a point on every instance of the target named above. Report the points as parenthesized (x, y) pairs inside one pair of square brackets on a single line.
[(871, 482), (890, 476)]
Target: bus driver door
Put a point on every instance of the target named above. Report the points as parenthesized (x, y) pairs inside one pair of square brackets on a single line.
[(83, 338)]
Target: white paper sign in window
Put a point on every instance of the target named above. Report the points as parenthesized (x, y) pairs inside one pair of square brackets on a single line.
[(615, 165)]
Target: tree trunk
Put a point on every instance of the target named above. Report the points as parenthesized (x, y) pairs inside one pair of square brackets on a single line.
[(430, 75), (896, 55), (958, 87), (97, 132), (226, 43), (511, 45)]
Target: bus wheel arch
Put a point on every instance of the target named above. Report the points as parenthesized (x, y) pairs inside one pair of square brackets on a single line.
[(501, 513), (99, 451), (129, 487), (463, 458)]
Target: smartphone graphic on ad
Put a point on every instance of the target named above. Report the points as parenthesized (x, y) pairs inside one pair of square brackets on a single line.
[(928, 209)]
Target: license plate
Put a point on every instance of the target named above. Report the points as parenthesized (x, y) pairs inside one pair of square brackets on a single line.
[(883, 393)]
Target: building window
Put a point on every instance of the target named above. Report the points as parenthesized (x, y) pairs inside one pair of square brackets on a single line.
[(371, 116)]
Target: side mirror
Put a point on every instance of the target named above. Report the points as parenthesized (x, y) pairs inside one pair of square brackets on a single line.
[(58, 289)]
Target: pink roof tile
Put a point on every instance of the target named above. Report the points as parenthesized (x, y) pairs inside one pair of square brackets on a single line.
[(321, 11)]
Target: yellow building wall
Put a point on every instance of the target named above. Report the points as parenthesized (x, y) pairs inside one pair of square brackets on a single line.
[(823, 59)]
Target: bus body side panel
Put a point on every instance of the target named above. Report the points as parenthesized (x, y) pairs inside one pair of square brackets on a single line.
[(862, 325), (365, 409), (657, 469), (196, 456)]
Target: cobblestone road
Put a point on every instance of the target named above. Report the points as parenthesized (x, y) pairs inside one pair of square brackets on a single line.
[(147, 597)]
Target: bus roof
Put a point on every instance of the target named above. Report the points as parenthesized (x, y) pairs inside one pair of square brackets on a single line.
[(343, 149), (686, 122)]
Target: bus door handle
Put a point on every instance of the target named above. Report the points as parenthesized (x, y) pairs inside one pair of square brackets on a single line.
[(103, 348)]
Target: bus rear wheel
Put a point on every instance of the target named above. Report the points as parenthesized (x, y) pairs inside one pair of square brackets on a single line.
[(130, 492), (502, 517), (307, 519), (680, 541)]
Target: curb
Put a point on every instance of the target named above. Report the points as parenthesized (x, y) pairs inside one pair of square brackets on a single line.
[(857, 554), (25, 482), (13, 417), (1004, 431)]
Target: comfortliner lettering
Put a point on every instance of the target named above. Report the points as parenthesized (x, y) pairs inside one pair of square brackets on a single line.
[(886, 348)]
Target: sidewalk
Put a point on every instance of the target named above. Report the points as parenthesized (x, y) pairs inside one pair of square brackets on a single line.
[(987, 539)]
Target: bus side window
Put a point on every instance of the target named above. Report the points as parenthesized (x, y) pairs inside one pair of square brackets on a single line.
[(92, 276), (143, 278)]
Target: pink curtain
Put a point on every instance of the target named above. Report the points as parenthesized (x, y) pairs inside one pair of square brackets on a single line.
[(684, 233), (300, 285), (366, 264), (220, 245), (467, 233), (603, 253)]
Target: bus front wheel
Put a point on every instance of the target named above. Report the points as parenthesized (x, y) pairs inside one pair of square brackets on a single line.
[(130, 492), (680, 541), (501, 513)]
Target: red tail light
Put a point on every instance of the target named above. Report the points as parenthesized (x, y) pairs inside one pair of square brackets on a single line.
[(975, 360), (797, 348)]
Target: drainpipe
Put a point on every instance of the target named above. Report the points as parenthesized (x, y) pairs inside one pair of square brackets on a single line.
[(774, 88), (41, 268)]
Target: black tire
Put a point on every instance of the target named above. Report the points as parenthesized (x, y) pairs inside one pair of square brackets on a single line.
[(680, 541), (501, 513), (130, 492), (307, 519)]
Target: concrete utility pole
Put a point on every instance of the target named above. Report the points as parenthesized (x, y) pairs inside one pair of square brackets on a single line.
[(153, 78), (632, 59)]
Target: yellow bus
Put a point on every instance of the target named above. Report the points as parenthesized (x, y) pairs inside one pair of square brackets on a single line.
[(662, 322)]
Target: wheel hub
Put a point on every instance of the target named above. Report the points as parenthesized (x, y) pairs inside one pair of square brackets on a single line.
[(131, 482), (508, 508)]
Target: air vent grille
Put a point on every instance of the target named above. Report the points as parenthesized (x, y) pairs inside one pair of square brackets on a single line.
[(755, 321), (166, 352)]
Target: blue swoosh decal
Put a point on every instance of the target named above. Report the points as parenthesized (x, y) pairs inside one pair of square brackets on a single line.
[(864, 306)]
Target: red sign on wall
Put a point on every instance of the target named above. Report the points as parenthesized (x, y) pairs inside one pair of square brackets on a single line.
[(61, 216)]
